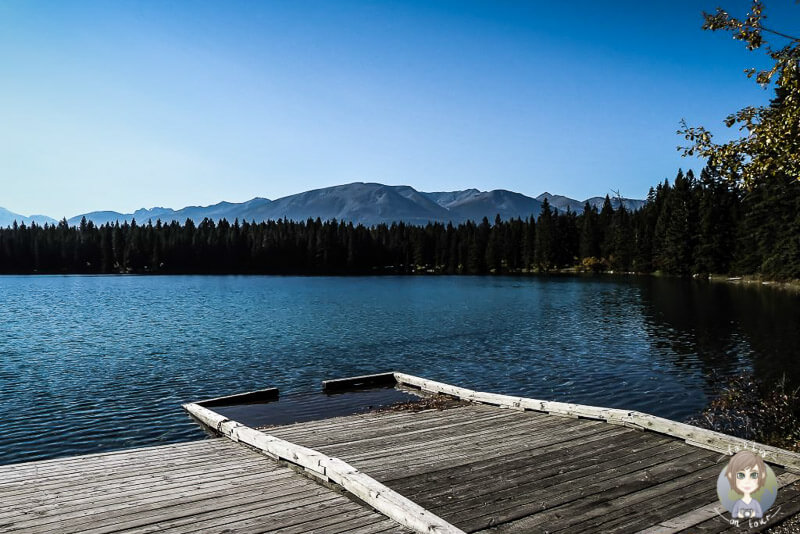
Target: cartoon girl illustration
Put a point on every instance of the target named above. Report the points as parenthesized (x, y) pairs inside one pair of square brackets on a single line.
[(746, 474)]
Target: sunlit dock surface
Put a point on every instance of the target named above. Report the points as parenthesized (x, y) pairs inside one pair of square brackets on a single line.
[(213, 485), (487, 464)]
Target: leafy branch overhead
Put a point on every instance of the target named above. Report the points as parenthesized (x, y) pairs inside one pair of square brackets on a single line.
[(770, 146)]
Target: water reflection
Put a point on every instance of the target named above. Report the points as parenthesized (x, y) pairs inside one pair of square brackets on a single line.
[(722, 329), (97, 363)]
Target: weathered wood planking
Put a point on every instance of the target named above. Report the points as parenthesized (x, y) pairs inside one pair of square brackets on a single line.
[(785, 506), (212, 485), (489, 470), (709, 514), (375, 494), (700, 437)]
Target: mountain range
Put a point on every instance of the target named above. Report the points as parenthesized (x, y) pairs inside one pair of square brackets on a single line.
[(7, 218), (359, 202)]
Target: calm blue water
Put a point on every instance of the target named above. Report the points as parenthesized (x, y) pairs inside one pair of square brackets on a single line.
[(89, 364)]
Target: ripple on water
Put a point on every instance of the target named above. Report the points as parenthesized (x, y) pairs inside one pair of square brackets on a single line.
[(98, 363)]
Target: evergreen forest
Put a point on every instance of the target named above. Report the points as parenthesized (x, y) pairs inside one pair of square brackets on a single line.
[(694, 225)]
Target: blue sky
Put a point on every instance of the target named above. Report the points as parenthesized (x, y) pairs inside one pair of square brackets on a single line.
[(123, 105)]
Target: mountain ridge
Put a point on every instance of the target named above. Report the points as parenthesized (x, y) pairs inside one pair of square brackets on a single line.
[(8, 217), (367, 203)]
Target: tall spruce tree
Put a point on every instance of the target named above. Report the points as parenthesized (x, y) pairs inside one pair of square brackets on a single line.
[(590, 232), (544, 254)]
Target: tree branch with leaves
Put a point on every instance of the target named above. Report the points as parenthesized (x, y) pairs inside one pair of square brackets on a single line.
[(770, 145)]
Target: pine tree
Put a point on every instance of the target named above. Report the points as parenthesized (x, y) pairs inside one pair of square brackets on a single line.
[(606, 239), (676, 255), (590, 232), (716, 239), (544, 248), (621, 243)]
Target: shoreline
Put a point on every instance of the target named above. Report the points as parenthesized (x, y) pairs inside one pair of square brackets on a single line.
[(755, 281), (752, 280)]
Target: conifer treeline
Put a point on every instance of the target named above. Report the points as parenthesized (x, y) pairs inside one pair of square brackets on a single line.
[(691, 226)]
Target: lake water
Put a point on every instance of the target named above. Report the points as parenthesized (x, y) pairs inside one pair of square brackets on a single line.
[(89, 364)]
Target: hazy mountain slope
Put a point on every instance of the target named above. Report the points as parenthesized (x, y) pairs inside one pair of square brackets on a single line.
[(491, 203), (7, 218), (448, 198), (101, 217), (561, 203), (418, 197), (222, 210), (365, 203)]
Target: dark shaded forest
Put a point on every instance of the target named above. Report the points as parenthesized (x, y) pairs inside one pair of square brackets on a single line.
[(690, 226)]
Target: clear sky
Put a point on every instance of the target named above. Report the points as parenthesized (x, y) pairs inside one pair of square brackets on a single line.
[(121, 105)]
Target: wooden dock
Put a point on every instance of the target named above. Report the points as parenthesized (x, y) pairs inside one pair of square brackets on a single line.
[(489, 464), (485, 469), (205, 486)]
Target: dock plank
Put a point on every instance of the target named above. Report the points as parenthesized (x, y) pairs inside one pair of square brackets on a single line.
[(598, 485), (194, 487), (518, 462), (538, 463), (786, 505), (128, 479)]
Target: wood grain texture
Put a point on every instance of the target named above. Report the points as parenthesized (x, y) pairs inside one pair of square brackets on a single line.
[(205, 486), (487, 469), (362, 486), (699, 437)]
